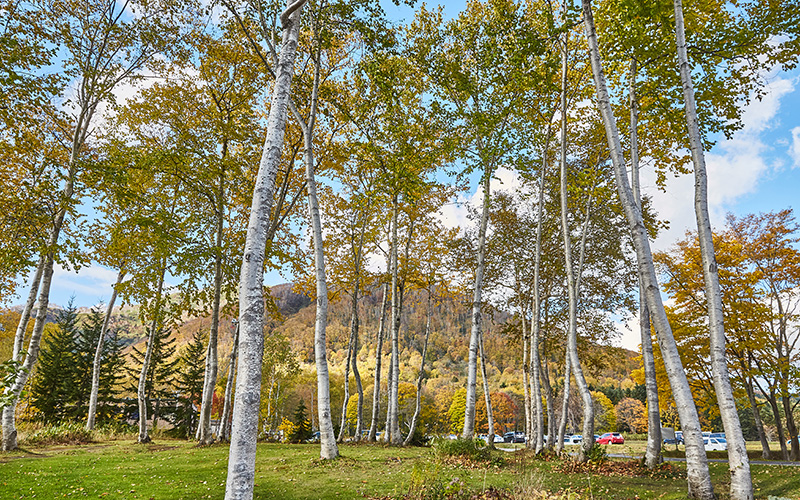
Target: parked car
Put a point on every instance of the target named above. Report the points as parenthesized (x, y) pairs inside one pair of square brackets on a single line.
[(715, 444), (611, 438), (678, 439), (573, 439), (497, 438), (514, 437)]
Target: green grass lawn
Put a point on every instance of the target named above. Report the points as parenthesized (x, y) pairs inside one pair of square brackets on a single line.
[(178, 470)]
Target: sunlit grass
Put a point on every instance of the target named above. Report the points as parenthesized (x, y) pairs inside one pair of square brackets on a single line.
[(178, 470)]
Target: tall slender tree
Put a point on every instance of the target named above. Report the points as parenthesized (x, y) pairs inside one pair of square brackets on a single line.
[(699, 478)]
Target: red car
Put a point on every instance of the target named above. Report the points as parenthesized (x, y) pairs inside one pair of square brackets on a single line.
[(611, 438)]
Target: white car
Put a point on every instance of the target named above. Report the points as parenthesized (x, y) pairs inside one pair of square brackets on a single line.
[(715, 444), (574, 439), (497, 438)]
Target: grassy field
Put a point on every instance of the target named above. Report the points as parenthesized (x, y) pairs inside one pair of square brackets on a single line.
[(179, 470)]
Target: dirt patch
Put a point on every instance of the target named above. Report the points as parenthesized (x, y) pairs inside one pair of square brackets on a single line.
[(159, 447), (14, 455)]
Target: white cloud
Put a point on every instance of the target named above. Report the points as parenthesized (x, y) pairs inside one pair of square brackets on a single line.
[(90, 285), (734, 167), (454, 214), (794, 149)]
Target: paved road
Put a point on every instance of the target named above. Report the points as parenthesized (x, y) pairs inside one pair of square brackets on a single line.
[(678, 459), (718, 460)]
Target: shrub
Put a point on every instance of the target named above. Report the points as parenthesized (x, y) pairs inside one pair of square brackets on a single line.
[(63, 433), (470, 449), (115, 429), (597, 454)]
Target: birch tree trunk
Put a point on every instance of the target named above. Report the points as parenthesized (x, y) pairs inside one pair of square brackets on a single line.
[(486, 395), (45, 274), (472, 368), (343, 421), (225, 419), (526, 381), (738, 462), (751, 396), (418, 404), (551, 413), (359, 387), (699, 479), (572, 288), (562, 423), (98, 354), (376, 388), (392, 420), (141, 392), (212, 363), (652, 456), (536, 318), (19, 337), (387, 425), (328, 447), (9, 412), (244, 427)]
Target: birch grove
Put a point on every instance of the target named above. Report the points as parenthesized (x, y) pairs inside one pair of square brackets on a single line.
[(408, 205)]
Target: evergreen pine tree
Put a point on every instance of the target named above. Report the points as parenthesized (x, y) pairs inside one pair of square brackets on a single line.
[(53, 384), (112, 368), (189, 383), (159, 383), (302, 430), (85, 346)]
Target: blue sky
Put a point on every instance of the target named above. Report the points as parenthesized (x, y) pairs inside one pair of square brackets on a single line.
[(756, 171)]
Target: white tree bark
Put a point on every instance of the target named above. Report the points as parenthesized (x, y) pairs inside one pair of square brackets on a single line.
[(9, 412), (244, 427), (472, 367), (536, 319), (328, 448), (204, 434), (141, 392), (19, 337), (486, 394), (551, 412), (573, 288), (699, 479), (418, 404), (225, 419), (738, 462), (652, 456), (359, 386), (98, 353), (376, 389), (526, 380), (392, 418), (343, 424), (562, 423)]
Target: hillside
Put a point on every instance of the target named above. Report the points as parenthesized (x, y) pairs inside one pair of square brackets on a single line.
[(293, 329)]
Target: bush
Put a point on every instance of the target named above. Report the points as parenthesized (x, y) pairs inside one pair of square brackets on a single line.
[(63, 433), (597, 454), (115, 429), (471, 449)]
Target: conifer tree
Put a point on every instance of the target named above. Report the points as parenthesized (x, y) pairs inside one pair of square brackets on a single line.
[(189, 382), (159, 383), (112, 369), (302, 428), (53, 384)]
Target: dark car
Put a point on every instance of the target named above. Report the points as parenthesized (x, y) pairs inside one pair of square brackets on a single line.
[(514, 437)]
